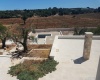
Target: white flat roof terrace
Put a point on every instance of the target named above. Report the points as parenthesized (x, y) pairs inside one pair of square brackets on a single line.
[(69, 52)]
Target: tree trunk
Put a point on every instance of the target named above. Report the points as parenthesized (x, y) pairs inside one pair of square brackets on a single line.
[(25, 47), (25, 41), (24, 21), (3, 42)]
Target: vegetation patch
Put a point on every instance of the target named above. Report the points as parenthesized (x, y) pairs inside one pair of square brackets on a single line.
[(40, 46), (82, 20), (81, 31), (42, 53), (33, 70), (1, 53)]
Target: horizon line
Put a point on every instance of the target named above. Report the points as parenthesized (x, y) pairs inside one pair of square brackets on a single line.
[(48, 8)]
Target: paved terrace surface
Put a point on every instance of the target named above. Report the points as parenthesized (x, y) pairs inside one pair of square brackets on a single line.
[(5, 63), (69, 52)]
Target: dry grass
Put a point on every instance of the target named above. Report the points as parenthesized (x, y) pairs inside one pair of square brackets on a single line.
[(40, 46), (30, 64), (81, 20), (90, 15), (11, 21), (41, 53), (1, 53)]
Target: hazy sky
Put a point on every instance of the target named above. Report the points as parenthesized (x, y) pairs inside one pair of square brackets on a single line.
[(42, 4)]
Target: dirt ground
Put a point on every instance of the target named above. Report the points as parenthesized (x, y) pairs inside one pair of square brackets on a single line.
[(81, 20)]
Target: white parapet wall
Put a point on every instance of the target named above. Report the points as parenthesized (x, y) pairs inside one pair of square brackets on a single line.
[(77, 37)]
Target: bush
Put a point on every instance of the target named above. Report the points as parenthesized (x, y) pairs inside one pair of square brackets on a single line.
[(15, 70), (48, 66), (95, 31), (33, 70), (25, 75)]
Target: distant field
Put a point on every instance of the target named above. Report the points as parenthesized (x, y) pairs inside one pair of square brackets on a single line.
[(81, 20), (90, 15)]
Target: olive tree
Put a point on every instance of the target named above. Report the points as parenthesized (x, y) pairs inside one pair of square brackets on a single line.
[(24, 18), (80, 31), (3, 35), (21, 36)]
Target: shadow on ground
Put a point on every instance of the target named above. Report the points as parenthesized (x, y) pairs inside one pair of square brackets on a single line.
[(79, 60)]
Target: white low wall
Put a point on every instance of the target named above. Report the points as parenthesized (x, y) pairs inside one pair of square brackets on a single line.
[(77, 37), (58, 29)]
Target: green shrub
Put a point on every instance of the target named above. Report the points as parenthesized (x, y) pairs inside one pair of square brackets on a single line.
[(34, 69), (95, 31), (15, 70), (25, 75), (48, 66)]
